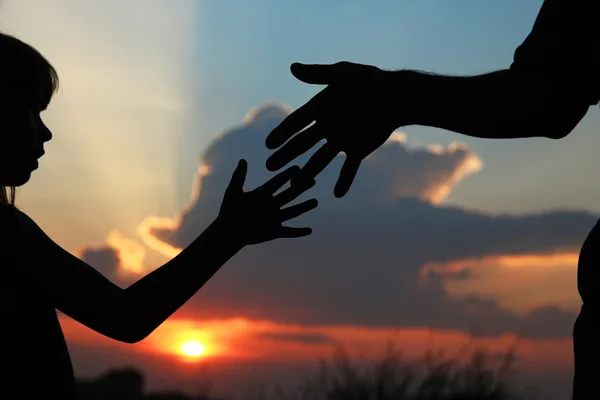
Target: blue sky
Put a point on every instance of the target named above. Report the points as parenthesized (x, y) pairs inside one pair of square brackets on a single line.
[(242, 55)]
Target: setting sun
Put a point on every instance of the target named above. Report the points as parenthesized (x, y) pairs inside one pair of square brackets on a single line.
[(193, 348)]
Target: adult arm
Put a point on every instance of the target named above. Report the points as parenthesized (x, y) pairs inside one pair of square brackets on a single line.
[(547, 90)]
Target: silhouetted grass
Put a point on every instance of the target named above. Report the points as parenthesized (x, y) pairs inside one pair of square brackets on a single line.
[(434, 377)]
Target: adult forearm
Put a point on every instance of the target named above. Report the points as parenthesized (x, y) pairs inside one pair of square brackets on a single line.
[(155, 297), (500, 104)]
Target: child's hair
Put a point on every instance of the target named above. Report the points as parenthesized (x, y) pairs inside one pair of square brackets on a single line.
[(26, 77)]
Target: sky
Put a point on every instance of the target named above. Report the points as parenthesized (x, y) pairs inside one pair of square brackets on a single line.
[(441, 235)]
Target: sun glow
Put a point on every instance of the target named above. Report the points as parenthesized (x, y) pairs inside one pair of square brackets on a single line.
[(193, 348)]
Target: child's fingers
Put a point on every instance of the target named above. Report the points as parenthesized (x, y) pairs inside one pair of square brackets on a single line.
[(239, 176), (290, 232), (296, 210)]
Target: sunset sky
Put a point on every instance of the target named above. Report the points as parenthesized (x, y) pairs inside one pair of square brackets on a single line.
[(441, 235)]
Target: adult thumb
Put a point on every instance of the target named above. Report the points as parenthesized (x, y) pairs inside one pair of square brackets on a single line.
[(318, 74)]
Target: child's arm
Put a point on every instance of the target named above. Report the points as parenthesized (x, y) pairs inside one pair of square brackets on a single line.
[(129, 315)]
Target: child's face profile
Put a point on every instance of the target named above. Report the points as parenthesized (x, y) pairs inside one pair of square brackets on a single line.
[(22, 138)]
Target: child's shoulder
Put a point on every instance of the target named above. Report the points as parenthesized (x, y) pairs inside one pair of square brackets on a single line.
[(9, 216), (14, 262), (10, 212), (13, 225), (18, 229), (6, 208)]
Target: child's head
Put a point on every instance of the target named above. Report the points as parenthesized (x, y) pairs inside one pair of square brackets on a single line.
[(27, 83)]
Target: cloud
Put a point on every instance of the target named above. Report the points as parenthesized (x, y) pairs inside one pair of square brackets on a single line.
[(121, 259), (427, 173), (519, 283), (104, 259), (296, 337), (365, 261)]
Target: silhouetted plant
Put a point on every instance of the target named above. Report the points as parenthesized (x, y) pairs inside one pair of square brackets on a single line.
[(434, 377)]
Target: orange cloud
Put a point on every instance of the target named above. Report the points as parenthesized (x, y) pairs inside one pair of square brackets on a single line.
[(150, 226), (121, 258), (131, 253), (471, 164), (517, 282)]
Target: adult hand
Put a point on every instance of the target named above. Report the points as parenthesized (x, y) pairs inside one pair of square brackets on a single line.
[(354, 113)]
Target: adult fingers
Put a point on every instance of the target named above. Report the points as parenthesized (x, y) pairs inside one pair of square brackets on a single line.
[(297, 146), (318, 74), (294, 123), (291, 193), (347, 175), (317, 163), (276, 182)]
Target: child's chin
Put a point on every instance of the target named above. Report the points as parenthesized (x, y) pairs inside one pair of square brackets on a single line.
[(17, 179)]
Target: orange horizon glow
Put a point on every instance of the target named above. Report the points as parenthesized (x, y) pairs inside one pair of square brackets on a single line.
[(241, 338)]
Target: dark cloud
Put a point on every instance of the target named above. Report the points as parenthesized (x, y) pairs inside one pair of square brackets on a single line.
[(120, 260), (296, 337), (362, 263), (104, 259)]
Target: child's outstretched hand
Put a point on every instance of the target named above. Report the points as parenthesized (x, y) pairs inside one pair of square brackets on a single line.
[(257, 216)]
